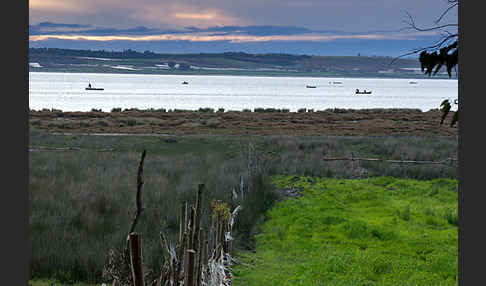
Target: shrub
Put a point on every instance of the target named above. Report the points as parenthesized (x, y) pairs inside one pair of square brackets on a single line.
[(257, 202), (451, 216), (35, 122), (132, 109), (207, 110), (259, 109), (130, 121), (103, 123), (405, 213), (355, 229)]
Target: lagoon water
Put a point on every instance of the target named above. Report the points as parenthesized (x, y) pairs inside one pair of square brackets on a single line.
[(66, 91)]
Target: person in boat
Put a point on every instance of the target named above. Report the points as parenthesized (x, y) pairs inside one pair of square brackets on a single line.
[(89, 85), (357, 90)]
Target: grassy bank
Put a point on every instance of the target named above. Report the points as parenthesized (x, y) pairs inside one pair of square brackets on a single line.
[(377, 231), (268, 121), (82, 202)]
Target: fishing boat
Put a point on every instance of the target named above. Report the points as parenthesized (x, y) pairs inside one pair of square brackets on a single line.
[(310, 86), (185, 82), (93, 88), (363, 92)]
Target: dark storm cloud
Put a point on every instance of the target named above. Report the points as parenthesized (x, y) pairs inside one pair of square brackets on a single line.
[(255, 30), (69, 29), (48, 28)]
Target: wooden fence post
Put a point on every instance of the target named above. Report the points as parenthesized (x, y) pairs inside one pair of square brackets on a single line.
[(136, 259), (189, 271), (138, 201)]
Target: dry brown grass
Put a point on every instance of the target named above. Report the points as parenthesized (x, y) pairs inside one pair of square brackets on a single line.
[(330, 122)]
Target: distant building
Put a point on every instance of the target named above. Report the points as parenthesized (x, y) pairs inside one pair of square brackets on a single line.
[(387, 71), (35, 65), (413, 70)]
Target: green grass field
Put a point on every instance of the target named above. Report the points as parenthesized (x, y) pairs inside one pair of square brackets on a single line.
[(375, 231)]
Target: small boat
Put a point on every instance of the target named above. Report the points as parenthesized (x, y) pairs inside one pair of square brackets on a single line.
[(93, 88), (185, 82), (310, 86), (337, 82), (363, 92), (413, 82)]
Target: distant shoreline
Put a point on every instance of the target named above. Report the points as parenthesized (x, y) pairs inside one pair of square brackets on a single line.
[(252, 74), (229, 63)]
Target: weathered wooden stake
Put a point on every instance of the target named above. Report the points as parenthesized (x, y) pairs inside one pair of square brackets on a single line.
[(200, 254), (136, 259), (189, 271), (182, 220), (138, 199), (197, 216)]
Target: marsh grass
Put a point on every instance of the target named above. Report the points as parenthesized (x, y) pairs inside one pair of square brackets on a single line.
[(82, 202), (376, 231)]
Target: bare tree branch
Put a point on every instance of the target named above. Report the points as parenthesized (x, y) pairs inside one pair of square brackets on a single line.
[(434, 46), (446, 11), (412, 25), (446, 35)]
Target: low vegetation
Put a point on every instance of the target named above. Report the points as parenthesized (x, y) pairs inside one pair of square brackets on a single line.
[(82, 199), (269, 121), (376, 231)]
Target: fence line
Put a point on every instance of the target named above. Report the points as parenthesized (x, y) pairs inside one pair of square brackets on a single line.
[(448, 161), (42, 148)]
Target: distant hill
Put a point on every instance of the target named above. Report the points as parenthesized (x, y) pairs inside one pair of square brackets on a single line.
[(129, 61)]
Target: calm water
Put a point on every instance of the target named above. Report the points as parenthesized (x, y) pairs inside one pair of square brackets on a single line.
[(66, 91)]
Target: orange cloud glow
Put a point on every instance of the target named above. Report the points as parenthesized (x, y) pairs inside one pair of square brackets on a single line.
[(196, 16), (182, 15), (57, 6), (209, 38)]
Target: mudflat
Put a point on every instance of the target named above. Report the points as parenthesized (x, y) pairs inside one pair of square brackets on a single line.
[(349, 122)]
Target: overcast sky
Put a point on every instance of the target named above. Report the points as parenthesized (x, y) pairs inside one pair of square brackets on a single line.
[(299, 21)]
